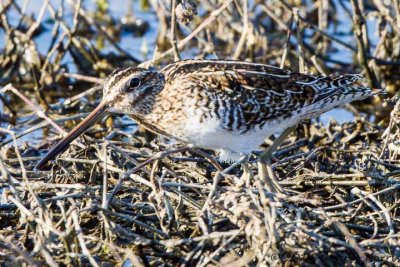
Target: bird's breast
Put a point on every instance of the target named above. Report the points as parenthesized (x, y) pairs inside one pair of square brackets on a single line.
[(152, 126)]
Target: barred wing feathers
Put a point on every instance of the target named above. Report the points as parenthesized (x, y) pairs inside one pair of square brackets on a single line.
[(246, 95)]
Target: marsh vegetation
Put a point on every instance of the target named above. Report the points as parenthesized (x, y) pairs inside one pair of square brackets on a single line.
[(120, 197)]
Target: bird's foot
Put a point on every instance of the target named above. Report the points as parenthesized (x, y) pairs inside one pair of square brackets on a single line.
[(267, 175)]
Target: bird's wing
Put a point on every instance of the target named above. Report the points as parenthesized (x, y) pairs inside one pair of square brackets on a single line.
[(264, 92)]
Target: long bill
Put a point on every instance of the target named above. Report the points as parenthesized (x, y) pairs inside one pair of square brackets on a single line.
[(91, 119)]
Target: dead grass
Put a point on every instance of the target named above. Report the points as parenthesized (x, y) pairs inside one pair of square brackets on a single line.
[(116, 199)]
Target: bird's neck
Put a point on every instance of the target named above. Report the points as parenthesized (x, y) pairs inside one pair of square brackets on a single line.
[(145, 103)]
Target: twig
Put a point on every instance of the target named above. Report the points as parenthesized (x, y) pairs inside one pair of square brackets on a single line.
[(81, 239), (213, 16), (35, 108), (242, 40), (173, 31)]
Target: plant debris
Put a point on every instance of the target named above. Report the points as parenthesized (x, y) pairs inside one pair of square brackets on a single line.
[(120, 197)]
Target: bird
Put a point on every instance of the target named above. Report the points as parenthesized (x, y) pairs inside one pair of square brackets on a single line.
[(227, 106)]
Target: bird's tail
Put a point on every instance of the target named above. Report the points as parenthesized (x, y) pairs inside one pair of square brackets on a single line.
[(338, 91), (346, 88)]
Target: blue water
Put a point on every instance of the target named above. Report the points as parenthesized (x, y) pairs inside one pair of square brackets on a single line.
[(118, 10)]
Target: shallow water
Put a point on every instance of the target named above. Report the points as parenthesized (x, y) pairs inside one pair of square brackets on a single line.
[(117, 10)]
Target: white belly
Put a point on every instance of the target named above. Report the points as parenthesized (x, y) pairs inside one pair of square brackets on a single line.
[(230, 144)]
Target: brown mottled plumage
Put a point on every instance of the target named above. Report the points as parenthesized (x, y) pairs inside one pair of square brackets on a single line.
[(227, 106)]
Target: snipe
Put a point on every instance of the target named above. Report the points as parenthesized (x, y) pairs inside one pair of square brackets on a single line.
[(222, 105)]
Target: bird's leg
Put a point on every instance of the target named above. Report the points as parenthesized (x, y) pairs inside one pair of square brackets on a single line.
[(247, 174), (264, 162), (267, 154)]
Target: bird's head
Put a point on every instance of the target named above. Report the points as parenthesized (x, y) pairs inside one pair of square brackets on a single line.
[(127, 88), (124, 91)]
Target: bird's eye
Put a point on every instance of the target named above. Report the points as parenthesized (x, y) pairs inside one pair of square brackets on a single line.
[(133, 83)]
